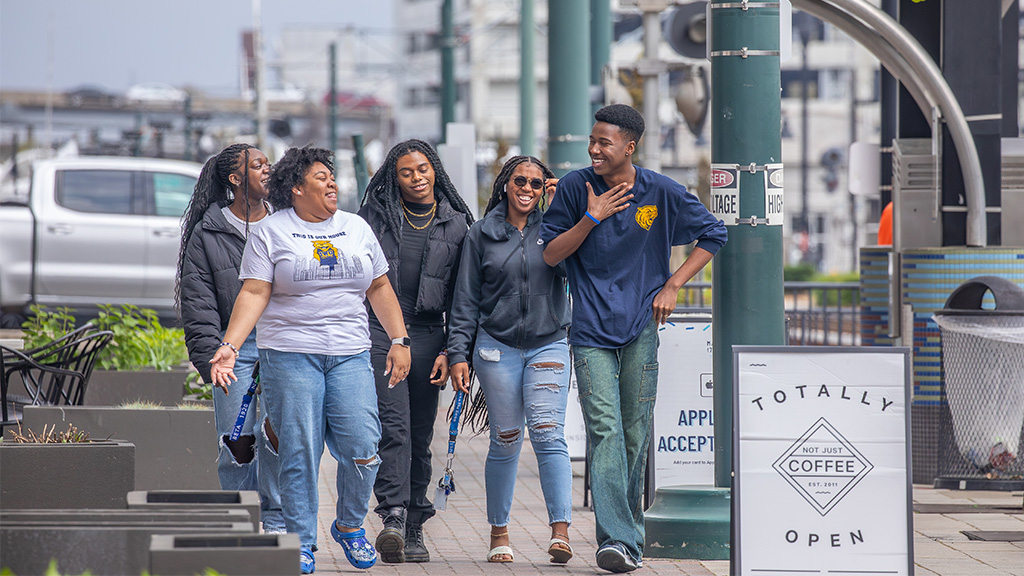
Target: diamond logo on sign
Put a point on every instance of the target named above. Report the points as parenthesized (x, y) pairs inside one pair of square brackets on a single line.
[(822, 466)]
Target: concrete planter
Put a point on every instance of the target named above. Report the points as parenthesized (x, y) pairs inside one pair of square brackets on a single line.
[(102, 548), (98, 517), (84, 475), (229, 554), (176, 500), (115, 387), (176, 449)]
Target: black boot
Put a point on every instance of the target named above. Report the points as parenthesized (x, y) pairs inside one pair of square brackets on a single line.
[(415, 549), (391, 540)]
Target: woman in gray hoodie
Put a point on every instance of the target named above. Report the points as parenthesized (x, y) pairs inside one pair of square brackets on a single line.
[(509, 320)]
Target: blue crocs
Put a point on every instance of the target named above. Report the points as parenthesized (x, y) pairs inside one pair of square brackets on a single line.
[(358, 550), (306, 561)]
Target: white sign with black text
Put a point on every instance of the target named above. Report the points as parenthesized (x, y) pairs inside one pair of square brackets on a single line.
[(822, 479)]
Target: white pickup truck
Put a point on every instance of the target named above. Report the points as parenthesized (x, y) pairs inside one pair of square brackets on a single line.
[(94, 230)]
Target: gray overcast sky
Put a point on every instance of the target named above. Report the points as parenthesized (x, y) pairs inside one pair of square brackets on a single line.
[(117, 43)]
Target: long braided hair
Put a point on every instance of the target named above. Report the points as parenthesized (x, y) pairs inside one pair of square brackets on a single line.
[(213, 187), (383, 193), (498, 192)]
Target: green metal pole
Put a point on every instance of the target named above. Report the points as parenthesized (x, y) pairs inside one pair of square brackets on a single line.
[(527, 82), (600, 49), (747, 293), (569, 118), (359, 166), (447, 66), (747, 306), (332, 114)]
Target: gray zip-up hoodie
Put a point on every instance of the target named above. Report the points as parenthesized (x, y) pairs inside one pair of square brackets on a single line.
[(505, 288)]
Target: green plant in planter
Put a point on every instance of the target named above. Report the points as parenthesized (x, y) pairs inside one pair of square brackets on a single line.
[(70, 436), (44, 326), (140, 341), (196, 389)]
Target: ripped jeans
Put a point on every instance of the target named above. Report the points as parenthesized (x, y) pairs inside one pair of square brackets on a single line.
[(532, 386), (313, 399), (259, 472)]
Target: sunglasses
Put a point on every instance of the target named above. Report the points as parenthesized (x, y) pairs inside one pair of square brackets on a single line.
[(535, 183)]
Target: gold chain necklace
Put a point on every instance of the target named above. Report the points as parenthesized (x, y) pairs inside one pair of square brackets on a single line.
[(406, 212)]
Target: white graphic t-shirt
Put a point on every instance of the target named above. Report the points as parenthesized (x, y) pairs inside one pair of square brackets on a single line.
[(320, 273)]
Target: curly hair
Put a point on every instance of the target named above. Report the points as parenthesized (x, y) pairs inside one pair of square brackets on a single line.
[(212, 187), (291, 170), (625, 117), (383, 192), (501, 180)]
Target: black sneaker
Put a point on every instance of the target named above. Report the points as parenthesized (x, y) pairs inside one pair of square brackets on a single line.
[(614, 558), (390, 542), (415, 549)]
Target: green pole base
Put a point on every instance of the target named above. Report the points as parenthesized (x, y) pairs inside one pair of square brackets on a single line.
[(688, 522)]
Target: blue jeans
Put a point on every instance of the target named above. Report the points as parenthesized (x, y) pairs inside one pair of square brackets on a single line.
[(259, 473), (532, 386), (313, 399), (617, 388)]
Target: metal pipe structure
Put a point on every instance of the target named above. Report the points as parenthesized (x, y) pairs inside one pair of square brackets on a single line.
[(600, 49), (886, 54), (569, 118), (527, 82), (652, 39), (332, 108), (261, 83), (447, 67), (930, 77)]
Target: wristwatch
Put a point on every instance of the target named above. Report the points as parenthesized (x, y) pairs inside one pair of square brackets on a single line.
[(403, 341)]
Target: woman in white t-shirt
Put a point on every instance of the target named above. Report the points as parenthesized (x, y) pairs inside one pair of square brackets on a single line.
[(306, 271)]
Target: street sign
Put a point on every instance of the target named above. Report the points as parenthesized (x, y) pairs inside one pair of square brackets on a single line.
[(725, 193), (773, 194)]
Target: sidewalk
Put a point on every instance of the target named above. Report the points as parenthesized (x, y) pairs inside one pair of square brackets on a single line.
[(458, 544)]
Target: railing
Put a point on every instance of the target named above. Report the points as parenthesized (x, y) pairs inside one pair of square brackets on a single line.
[(817, 313)]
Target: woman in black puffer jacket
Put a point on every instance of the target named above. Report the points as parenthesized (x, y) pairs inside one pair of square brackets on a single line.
[(229, 200), (420, 220)]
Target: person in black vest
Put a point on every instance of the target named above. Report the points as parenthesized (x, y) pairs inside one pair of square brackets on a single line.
[(420, 220)]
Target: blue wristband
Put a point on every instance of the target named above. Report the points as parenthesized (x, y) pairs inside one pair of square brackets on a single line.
[(589, 215)]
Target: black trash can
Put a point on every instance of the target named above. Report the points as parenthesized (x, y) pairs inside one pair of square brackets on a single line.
[(982, 434)]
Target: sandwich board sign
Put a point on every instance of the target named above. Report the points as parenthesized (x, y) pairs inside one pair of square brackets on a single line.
[(821, 461)]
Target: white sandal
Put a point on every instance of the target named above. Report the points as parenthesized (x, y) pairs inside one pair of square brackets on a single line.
[(559, 555), (492, 556)]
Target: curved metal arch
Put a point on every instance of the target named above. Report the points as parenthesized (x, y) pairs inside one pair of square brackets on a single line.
[(907, 60)]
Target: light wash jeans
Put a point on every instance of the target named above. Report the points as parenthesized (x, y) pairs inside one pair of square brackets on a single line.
[(617, 388), (261, 472), (532, 386), (313, 399)]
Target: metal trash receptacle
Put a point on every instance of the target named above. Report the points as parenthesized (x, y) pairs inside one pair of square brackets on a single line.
[(983, 371)]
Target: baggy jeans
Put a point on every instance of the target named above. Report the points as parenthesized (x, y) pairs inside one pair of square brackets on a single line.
[(313, 399), (617, 389)]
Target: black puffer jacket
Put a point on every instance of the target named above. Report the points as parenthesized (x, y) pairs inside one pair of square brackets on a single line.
[(209, 285), (505, 288), (440, 257)]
